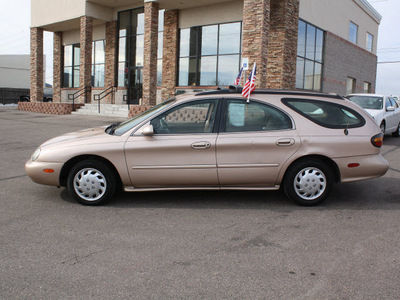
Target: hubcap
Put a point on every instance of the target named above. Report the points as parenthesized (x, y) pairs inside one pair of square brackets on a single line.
[(309, 183), (90, 184)]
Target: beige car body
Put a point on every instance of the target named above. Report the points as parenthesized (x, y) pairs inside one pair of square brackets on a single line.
[(241, 160)]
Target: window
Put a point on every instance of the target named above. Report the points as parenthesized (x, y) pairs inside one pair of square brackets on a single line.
[(369, 41), (254, 116), (160, 46), (368, 102), (309, 57), (326, 114), (131, 45), (351, 85), (192, 117), (98, 63), (367, 87), (353, 32), (209, 55), (71, 66)]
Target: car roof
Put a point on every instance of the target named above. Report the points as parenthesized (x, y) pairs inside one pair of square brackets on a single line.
[(366, 94), (232, 90)]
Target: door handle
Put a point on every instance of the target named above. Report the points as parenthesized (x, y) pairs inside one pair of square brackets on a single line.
[(200, 145), (285, 142)]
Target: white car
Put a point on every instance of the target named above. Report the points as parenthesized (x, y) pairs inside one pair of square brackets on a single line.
[(384, 109)]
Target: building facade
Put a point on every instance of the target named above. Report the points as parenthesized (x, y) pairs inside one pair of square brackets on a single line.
[(153, 49)]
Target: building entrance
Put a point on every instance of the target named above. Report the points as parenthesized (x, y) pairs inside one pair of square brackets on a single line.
[(130, 58)]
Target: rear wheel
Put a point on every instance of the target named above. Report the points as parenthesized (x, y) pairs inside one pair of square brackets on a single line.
[(308, 182), (91, 182)]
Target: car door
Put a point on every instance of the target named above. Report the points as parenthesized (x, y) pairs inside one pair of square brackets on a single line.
[(390, 115), (395, 114), (255, 141), (180, 153)]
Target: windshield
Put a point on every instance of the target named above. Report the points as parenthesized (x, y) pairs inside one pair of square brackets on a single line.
[(368, 102), (127, 125)]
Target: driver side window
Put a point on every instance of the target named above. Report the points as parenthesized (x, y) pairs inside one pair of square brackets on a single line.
[(192, 117)]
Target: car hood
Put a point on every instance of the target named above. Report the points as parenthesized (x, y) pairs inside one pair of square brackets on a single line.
[(86, 134), (374, 112)]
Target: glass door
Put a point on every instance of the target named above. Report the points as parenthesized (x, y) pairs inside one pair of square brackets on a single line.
[(130, 58)]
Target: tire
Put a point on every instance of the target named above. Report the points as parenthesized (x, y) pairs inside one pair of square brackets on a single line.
[(91, 182), (383, 128), (397, 132), (308, 183)]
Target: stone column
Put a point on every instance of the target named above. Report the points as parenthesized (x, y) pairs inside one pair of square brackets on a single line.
[(85, 73), (150, 52), (36, 64), (111, 57), (256, 15), (282, 46), (57, 66), (170, 53)]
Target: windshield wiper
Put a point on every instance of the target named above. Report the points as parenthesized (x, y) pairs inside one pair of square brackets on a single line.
[(110, 129)]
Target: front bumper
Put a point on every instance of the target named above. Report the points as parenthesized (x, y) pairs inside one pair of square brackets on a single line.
[(35, 170)]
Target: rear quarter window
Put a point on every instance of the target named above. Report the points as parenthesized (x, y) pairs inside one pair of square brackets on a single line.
[(326, 114)]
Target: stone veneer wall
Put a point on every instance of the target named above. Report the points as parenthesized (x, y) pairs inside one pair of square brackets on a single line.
[(150, 53), (170, 53), (36, 64), (255, 36), (57, 66), (85, 72), (47, 108), (282, 44), (111, 57), (355, 62), (135, 110)]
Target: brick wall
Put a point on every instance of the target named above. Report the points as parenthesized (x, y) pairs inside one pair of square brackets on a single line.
[(255, 36), (150, 53), (282, 44), (85, 73), (47, 108), (170, 53), (57, 66), (36, 64), (111, 57), (354, 61)]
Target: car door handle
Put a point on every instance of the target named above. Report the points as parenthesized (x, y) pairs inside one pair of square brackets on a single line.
[(200, 145), (285, 142)]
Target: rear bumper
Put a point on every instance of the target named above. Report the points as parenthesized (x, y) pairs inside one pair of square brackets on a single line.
[(35, 171), (370, 166)]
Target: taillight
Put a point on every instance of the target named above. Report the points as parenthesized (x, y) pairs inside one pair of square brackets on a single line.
[(377, 140)]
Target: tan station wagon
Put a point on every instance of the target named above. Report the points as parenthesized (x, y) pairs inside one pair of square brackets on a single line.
[(303, 142)]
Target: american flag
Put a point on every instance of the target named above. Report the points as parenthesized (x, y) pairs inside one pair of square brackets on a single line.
[(250, 85), (239, 77)]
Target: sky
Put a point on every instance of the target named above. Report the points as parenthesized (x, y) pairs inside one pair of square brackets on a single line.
[(15, 39)]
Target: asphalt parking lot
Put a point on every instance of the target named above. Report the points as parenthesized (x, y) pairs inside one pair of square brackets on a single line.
[(190, 245)]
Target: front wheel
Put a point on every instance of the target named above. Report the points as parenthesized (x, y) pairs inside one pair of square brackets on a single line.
[(397, 132), (91, 182), (308, 183)]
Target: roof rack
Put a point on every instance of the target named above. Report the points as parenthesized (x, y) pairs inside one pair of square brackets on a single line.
[(238, 90)]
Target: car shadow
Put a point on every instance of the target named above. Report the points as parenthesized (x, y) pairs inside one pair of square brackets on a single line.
[(380, 193)]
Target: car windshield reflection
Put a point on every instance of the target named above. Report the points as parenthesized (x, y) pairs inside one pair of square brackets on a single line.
[(128, 125)]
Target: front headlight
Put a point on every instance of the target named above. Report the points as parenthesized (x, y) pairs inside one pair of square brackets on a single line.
[(35, 154)]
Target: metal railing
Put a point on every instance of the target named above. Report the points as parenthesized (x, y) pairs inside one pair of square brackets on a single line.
[(77, 94), (110, 90)]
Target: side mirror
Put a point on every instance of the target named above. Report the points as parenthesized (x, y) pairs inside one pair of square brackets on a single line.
[(390, 108), (148, 130)]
